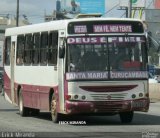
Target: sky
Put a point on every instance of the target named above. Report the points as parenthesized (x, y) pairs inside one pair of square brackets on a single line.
[(36, 9)]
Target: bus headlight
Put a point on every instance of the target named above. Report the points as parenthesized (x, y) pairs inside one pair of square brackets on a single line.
[(83, 97), (75, 97), (140, 94), (133, 96)]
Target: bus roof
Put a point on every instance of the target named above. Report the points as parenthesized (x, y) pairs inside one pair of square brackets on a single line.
[(56, 25)]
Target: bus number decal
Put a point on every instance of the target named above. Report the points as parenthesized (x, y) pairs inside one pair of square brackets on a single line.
[(80, 29)]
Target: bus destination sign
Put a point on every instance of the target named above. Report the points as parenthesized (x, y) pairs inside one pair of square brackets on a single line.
[(99, 27), (104, 75), (102, 40), (112, 28)]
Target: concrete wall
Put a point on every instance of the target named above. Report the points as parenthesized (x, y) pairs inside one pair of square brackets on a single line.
[(154, 92)]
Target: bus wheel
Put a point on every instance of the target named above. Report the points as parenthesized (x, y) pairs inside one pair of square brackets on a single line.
[(126, 117), (22, 110), (55, 116)]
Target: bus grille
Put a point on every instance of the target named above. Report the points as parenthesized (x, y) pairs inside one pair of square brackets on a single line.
[(106, 97), (115, 88)]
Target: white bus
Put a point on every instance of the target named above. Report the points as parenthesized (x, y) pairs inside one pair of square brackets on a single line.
[(79, 66)]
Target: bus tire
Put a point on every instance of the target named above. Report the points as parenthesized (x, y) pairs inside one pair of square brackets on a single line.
[(54, 114), (126, 117), (24, 111)]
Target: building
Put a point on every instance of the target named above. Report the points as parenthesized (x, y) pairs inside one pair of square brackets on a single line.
[(157, 4)]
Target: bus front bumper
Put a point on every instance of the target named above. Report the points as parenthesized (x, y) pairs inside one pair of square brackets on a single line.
[(79, 107)]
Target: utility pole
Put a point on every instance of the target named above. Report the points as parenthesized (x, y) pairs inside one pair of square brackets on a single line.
[(126, 9), (130, 9), (17, 16)]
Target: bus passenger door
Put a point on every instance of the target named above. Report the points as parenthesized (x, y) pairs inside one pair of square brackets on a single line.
[(13, 43)]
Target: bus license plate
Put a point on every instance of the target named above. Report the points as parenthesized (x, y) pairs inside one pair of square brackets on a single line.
[(138, 104)]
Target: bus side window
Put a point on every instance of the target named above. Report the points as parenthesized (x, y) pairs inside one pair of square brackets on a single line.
[(52, 49), (43, 48), (28, 49), (36, 46), (7, 50), (20, 50)]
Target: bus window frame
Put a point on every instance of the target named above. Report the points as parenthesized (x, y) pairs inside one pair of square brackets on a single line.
[(108, 62), (29, 49), (43, 62), (7, 52), (19, 60), (53, 47), (36, 49)]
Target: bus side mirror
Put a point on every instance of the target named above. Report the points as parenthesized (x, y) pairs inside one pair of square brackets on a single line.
[(61, 51)]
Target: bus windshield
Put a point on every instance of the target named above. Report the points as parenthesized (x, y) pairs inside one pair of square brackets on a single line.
[(98, 54)]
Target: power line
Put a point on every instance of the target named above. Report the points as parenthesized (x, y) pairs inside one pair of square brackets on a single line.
[(110, 9), (123, 14)]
